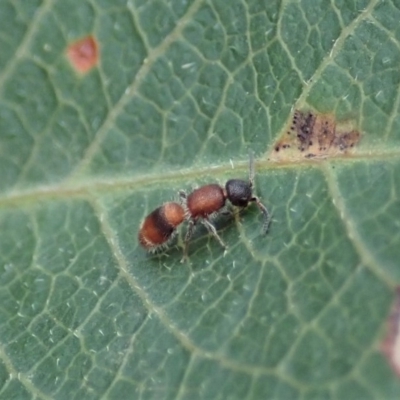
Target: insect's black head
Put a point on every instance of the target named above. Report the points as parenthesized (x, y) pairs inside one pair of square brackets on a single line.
[(239, 192)]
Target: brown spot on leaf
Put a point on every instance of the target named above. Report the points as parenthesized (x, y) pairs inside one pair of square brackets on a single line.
[(390, 346), (347, 140), (83, 54), (282, 144), (303, 126), (314, 135)]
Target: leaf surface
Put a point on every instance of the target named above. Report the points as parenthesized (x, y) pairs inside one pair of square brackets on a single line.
[(182, 91)]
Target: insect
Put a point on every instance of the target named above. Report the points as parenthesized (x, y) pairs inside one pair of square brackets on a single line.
[(209, 200), (160, 226)]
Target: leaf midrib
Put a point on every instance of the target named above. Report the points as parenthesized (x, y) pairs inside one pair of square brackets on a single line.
[(81, 188)]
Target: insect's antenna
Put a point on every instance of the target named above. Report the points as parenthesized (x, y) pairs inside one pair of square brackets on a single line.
[(251, 167)]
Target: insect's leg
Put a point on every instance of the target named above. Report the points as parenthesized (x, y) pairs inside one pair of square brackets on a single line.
[(211, 228), (188, 236), (265, 213)]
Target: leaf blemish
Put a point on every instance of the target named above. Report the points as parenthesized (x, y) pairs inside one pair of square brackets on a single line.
[(390, 346), (314, 135), (83, 54)]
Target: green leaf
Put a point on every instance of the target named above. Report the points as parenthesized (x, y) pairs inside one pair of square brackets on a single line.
[(181, 92)]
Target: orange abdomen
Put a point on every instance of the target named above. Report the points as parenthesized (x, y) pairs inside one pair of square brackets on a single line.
[(160, 224)]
